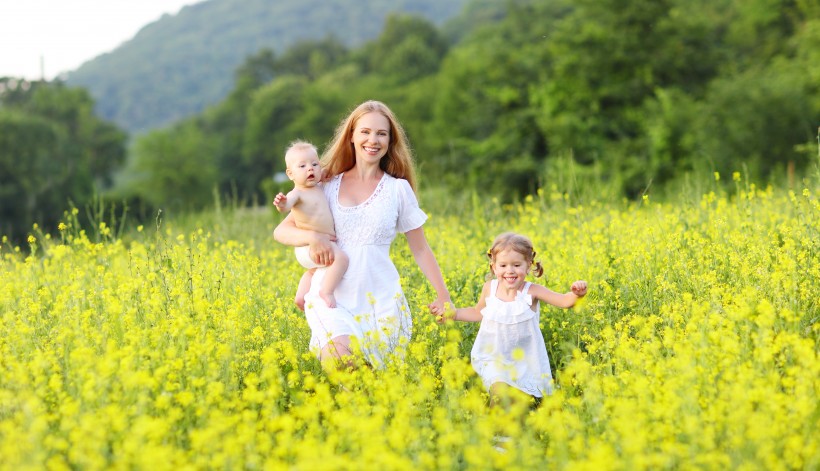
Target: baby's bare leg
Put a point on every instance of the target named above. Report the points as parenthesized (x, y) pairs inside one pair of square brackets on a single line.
[(333, 276), (304, 287)]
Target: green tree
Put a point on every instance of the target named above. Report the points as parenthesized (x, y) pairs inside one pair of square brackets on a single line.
[(606, 61), (758, 114), (310, 58), (408, 48), (172, 169), (33, 169), (53, 150), (482, 120), (271, 115), (755, 120)]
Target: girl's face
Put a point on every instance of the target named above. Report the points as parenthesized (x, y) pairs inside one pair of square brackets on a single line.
[(510, 268), (371, 137)]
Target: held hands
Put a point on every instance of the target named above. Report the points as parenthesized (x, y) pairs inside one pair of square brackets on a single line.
[(443, 310), (579, 288)]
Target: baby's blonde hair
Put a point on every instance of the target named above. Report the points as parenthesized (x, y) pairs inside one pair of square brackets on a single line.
[(519, 243), (300, 145)]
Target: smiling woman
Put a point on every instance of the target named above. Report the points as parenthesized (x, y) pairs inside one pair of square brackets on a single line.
[(51, 38), (371, 178)]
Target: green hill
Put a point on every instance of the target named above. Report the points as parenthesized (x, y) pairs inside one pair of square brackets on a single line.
[(181, 64)]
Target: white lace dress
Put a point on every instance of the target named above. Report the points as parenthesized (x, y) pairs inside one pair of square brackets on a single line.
[(509, 347), (370, 303)]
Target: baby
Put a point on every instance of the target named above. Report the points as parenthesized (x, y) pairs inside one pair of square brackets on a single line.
[(311, 212)]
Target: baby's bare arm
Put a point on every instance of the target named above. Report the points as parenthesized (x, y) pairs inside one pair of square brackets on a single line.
[(285, 203)]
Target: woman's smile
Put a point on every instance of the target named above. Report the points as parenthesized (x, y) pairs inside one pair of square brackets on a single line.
[(371, 137)]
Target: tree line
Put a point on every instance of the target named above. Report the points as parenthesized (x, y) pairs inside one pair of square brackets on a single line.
[(513, 96), (630, 94), (54, 151)]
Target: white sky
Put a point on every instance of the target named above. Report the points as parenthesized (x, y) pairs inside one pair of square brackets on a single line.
[(67, 33)]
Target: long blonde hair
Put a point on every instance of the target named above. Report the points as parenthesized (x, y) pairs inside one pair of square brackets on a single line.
[(340, 156), (519, 243)]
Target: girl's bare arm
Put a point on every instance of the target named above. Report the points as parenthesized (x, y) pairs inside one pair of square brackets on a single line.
[(565, 300), (473, 314)]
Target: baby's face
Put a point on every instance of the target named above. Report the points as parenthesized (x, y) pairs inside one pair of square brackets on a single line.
[(303, 168)]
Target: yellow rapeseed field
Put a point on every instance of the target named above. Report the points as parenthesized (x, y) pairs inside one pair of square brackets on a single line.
[(179, 347)]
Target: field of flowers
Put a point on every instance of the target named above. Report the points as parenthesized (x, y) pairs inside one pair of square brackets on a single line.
[(177, 346)]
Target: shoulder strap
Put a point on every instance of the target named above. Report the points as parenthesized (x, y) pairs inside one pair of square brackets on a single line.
[(493, 287), (526, 290)]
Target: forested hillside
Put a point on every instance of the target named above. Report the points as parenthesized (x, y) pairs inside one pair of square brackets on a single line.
[(615, 98), (594, 98), (180, 64)]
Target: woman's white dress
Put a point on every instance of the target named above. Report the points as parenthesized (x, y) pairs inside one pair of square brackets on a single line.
[(370, 303), (509, 347)]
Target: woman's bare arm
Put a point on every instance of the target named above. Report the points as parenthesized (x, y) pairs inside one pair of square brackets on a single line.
[(321, 249), (428, 265)]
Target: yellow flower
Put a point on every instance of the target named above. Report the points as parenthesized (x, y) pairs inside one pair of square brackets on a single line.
[(449, 310)]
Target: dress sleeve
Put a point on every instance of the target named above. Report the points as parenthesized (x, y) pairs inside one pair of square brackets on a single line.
[(410, 215), (328, 187)]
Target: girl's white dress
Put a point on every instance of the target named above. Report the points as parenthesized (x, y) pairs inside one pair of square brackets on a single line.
[(370, 303), (509, 347)]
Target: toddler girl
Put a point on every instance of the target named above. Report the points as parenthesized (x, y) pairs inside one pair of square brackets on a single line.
[(509, 349)]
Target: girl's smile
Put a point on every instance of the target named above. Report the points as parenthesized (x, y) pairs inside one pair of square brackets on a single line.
[(510, 268)]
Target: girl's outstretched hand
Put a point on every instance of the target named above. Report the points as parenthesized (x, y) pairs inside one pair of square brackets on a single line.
[(579, 288)]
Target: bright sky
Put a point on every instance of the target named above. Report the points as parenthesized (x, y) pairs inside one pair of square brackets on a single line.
[(67, 33)]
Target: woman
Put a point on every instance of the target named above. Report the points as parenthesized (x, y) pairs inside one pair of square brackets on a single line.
[(370, 188)]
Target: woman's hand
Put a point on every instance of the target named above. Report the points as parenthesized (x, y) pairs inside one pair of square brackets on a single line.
[(321, 249), (579, 288), (437, 311)]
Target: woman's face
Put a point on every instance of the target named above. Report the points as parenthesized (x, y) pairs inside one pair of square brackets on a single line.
[(371, 137)]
